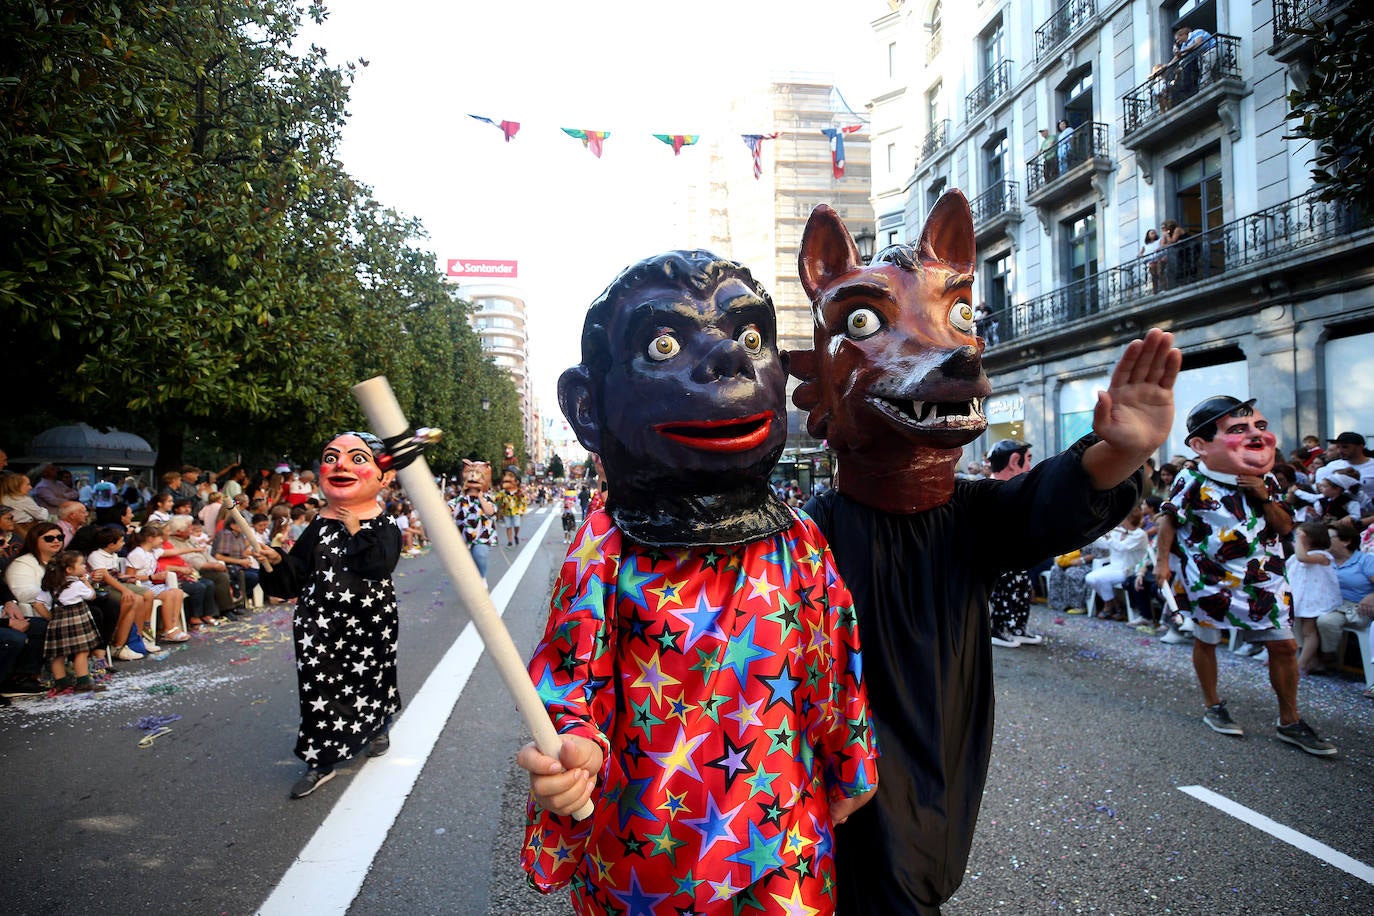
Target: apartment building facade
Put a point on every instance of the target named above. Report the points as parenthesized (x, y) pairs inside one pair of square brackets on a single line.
[(1270, 293)]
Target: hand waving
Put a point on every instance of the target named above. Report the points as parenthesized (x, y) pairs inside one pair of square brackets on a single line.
[(1135, 412)]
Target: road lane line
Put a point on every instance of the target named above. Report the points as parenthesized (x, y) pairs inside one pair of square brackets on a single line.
[(330, 870), (1290, 836)]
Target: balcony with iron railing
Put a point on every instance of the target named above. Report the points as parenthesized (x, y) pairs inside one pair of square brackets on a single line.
[(994, 210), (1229, 256), (935, 141), (1294, 20), (1202, 87), (933, 44), (1078, 156), (1065, 21), (996, 85)]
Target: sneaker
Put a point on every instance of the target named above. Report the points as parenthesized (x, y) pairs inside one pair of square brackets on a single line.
[(125, 654), (379, 746), (1004, 639), (1262, 656), (150, 645), (1250, 650), (23, 685), (1027, 638), (311, 781), (1219, 720), (1302, 735), (1173, 637)]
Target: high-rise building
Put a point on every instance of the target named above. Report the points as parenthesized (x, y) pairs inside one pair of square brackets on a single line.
[(498, 316), (1075, 129), (758, 221)]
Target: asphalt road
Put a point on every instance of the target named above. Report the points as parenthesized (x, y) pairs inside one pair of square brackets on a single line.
[(1097, 733)]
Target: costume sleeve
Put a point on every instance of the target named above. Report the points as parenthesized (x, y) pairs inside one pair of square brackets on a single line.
[(847, 742), (1052, 509), (573, 669), (288, 577), (374, 551)]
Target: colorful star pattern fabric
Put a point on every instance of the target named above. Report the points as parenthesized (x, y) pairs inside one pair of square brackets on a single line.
[(345, 630), (723, 685), (1233, 567)]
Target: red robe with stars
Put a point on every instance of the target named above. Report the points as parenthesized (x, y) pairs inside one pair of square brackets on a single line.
[(724, 687)]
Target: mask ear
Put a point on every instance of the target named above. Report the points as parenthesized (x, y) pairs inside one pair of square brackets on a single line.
[(948, 233), (827, 251), (578, 402)]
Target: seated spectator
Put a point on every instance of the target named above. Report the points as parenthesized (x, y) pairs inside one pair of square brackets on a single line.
[(1066, 590), (1355, 573), (134, 603), (1340, 496), (24, 575), (120, 515), (298, 524), (51, 490), (159, 510), (71, 515), (15, 492), (27, 616), (231, 549), (142, 572), (209, 513), (178, 545), (1127, 545), (11, 541), (298, 489)]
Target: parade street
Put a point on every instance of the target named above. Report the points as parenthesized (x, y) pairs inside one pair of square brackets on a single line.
[(1107, 794)]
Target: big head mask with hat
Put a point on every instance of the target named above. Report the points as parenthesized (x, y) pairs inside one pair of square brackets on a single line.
[(1231, 436)]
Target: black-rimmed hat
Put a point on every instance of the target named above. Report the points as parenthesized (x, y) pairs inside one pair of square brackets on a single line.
[(1213, 409), (1348, 438), (1003, 449)]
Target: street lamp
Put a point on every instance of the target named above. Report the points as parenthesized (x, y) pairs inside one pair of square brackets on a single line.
[(864, 239)]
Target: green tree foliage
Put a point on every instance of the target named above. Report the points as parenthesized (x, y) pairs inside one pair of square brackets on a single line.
[(181, 248), (556, 468), (1336, 109)]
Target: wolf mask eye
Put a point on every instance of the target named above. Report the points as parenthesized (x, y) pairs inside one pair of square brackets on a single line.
[(961, 316), (862, 323), (664, 346)]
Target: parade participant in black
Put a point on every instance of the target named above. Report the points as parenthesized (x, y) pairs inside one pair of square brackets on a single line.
[(896, 384), (346, 622), (1010, 599)]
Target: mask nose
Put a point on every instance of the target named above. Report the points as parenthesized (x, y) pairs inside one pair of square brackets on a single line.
[(727, 359)]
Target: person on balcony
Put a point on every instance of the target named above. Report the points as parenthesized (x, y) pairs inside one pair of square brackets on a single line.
[(1190, 47), (1047, 143), (1066, 156)]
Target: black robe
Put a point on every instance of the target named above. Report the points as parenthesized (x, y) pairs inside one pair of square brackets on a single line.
[(345, 629), (920, 584)]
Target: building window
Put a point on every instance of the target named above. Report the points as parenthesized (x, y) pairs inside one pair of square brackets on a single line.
[(995, 159), (1077, 400), (993, 44), (997, 286), (1195, 14), (1198, 192), (892, 59), (892, 159), (1348, 406), (1080, 246), (933, 106), (937, 187), (1076, 97), (894, 237)]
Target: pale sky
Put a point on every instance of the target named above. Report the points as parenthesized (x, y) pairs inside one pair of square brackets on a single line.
[(633, 68)]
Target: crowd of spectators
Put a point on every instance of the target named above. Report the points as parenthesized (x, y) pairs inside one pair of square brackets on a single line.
[(156, 563), (1329, 490)]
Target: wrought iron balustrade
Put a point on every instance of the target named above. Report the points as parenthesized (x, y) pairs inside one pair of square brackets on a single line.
[(998, 199), (935, 140), (1216, 59), (989, 90), (1063, 22), (1073, 147), (933, 45), (1301, 222)]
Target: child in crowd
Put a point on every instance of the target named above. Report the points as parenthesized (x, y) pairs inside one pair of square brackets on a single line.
[(1340, 495), (199, 538), (71, 631), (1312, 580), (145, 548), (569, 514)]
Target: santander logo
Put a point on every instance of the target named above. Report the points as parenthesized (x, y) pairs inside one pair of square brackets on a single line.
[(459, 267)]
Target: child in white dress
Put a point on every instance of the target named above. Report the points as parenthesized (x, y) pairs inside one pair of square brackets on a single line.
[(1312, 580)]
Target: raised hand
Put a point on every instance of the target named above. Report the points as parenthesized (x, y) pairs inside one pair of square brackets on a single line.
[(1135, 412)]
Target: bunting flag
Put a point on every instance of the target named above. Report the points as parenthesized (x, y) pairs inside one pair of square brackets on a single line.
[(509, 128), (755, 144), (836, 135), (678, 141), (591, 139)]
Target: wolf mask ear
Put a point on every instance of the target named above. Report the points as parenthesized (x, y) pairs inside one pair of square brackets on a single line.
[(827, 251), (948, 233)]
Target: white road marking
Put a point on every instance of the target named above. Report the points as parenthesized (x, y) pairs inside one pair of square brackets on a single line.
[(1290, 836), (330, 870)]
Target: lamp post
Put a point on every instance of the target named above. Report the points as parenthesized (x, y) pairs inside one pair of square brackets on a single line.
[(864, 239)]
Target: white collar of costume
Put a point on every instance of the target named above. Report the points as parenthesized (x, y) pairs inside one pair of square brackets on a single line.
[(1218, 476)]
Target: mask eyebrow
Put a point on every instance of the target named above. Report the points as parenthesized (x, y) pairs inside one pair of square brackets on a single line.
[(958, 281)]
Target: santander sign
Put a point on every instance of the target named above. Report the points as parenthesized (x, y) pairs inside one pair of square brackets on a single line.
[(460, 267)]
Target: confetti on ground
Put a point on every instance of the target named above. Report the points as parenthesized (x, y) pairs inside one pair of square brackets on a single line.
[(153, 723), (164, 690)]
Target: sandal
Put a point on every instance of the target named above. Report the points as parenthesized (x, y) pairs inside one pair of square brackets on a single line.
[(175, 634)]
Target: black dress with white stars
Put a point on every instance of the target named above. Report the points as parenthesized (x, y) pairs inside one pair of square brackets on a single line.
[(345, 631)]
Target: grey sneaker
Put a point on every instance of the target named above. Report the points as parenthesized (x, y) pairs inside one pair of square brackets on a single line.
[(1302, 735), (1250, 649), (1004, 639), (1026, 637), (1219, 720), (311, 781)]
